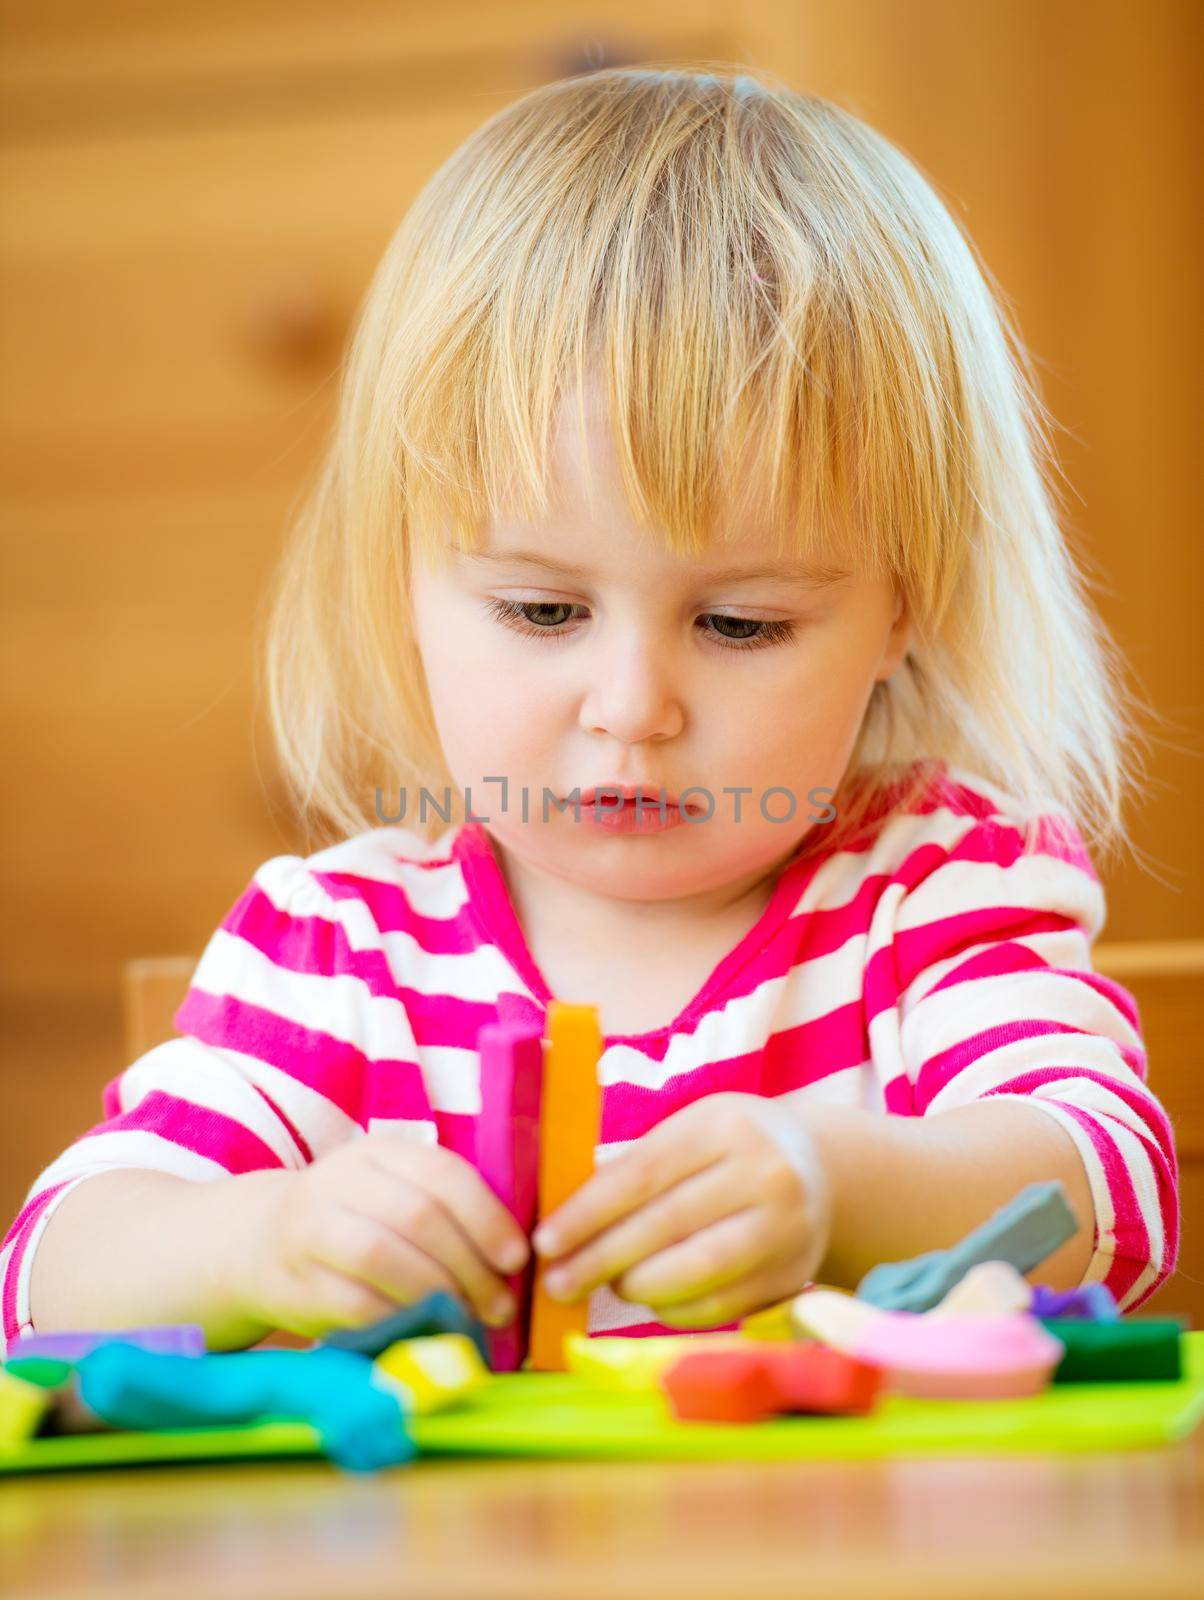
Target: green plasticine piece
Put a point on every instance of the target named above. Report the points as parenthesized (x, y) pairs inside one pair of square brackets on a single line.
[(66, 1411), (1137, 1350), (1024, 1233), (48, 1372), (361, 1421)]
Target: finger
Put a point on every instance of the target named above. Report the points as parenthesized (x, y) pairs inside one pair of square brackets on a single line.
[(329, 1299), (691, 1205), (727, 1250), (768, 1286), (367, 1250), (653, 1164), (481, 1216), (413, 1216)]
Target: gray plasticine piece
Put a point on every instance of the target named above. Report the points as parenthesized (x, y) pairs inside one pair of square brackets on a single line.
[(1024, 1232), (439, 1312)]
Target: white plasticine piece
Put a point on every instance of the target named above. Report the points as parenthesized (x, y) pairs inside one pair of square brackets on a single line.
[(992, 1288), (835, 1319)]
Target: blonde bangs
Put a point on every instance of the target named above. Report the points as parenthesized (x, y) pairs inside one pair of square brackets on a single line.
[(780, 320)]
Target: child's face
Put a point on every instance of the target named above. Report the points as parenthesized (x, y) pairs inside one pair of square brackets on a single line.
[(638, 677)]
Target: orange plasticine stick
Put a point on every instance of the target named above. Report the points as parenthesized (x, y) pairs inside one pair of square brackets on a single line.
[(569, 1118)]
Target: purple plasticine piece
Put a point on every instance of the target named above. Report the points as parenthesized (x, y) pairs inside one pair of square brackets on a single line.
[(507, 1154), (180, 1339), (1092, 1300)]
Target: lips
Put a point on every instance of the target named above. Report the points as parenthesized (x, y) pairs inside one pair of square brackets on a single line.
[(629, 792)]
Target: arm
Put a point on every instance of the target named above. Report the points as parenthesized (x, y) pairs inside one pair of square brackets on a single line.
[(375, 1223), (135, 1248), (839, 1189), (998, 1058), (902, 1186), (1001, 1051), (269, 1072)]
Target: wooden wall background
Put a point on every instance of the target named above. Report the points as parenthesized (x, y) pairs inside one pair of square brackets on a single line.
[(192, 199)]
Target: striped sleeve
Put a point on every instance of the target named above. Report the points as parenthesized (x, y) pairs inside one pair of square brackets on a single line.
[(266, 1070), (998, 1000)]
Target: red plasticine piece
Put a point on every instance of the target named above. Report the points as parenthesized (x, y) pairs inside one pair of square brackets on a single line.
[(748, 1386), (721, 1386), (507, 1155), (814, 1377)]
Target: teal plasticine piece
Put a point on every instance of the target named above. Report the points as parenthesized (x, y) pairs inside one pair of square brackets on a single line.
[(1132, 1350), (361, 1423), (1024, 1233), (437, 1313)]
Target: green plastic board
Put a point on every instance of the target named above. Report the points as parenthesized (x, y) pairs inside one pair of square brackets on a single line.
[(560, 1416)]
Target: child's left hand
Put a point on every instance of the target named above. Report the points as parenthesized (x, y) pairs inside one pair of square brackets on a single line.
[(723, 1208)]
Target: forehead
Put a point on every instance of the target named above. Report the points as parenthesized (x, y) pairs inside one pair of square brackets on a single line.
[(592, 527), (535, 558)]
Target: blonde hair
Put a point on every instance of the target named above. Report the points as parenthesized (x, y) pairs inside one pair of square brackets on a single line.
[(747, 269)]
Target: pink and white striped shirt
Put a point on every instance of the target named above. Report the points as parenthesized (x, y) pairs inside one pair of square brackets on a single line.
[(931, 964)]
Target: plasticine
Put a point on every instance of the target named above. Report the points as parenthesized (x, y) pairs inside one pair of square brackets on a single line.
[(1024, 1233)]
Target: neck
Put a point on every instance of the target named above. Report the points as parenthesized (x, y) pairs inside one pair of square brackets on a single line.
[(558, 905)]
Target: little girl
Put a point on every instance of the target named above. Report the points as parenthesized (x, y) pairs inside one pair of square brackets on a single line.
[(680, 625)]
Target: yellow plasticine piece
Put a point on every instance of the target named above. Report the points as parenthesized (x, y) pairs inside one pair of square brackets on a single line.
[(569, 1115), (991, 1288), (833, 1317), (434, 1372), (774, 1322), (634, 1364), (22, 1407)]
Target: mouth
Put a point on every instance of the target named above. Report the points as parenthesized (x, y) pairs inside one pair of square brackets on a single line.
[(630, 793)]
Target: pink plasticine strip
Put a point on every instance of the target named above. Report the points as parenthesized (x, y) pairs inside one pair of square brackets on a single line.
[(507, 1155)]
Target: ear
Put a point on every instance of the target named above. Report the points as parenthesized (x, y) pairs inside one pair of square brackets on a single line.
[(898, 641)]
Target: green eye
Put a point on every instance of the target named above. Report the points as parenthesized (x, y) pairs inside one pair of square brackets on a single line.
[(513, 613), (531, 618), (770, 632)]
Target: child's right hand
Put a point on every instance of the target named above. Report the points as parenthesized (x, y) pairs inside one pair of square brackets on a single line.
[(372, 1224)]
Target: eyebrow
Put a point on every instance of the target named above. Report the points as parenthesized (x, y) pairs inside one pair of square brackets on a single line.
[(796, 574)]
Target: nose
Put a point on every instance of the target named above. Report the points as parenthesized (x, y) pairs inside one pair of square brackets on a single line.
[(631, 695)]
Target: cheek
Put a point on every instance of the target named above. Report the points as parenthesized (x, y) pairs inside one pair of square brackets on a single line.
[(457, 651), (484, 700), (810, 713)]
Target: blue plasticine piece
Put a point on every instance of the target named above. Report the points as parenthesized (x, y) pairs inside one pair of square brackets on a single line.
[(361, 1423), (1090, 1300), (1024, 1232), (438, 1313)]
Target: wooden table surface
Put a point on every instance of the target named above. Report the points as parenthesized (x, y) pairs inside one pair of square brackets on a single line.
[(1117, 1525)]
